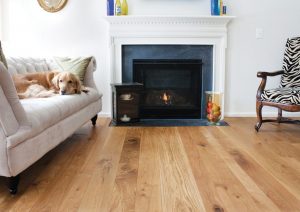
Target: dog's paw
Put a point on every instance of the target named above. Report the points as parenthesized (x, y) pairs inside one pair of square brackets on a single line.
[(85, 90), (22, 96)]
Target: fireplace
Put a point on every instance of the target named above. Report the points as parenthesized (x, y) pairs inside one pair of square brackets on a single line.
[(147, 32), (172, 87), (175, 78)]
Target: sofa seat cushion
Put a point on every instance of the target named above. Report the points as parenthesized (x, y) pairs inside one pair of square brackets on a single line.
[(45, 112), (289, 96)]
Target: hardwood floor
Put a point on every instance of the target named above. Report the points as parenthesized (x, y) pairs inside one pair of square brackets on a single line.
[(166, 169)]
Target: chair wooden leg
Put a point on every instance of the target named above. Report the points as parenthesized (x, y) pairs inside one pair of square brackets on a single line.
[(94, 119), (279, 118), (13, 184), (259, 107)]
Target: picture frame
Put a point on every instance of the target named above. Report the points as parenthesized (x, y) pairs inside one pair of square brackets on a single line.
[(52, 5)]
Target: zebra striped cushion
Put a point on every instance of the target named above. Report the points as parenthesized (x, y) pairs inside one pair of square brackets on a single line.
[(290, 96), (291, 64)]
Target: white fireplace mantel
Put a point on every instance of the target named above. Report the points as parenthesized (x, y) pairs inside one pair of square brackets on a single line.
[(165, 26), (181, 30)]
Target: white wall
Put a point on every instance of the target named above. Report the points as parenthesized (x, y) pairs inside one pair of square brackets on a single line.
[(76, 30), (1, 19), (247, 55), (79, 29)]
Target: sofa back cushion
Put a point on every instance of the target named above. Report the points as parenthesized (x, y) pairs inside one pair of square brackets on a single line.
[(20, 65), (291, 64)]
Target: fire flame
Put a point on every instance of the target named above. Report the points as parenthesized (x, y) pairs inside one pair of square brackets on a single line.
[(166, 98)]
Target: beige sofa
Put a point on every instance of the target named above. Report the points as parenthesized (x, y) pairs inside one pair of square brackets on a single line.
[(30, 128)]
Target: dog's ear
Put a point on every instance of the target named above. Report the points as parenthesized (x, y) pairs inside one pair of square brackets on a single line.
[(55, 80), (77, 85), (49, 77)]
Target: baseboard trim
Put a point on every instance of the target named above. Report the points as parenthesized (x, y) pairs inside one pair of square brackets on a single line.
[(265, 114), (230, 114)]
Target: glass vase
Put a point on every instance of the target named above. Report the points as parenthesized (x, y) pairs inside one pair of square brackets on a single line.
[(214, 103)]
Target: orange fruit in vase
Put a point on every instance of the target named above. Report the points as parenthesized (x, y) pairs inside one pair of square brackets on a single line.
[(209, 104), (210, 117), (216, 113), (208, 110), (215, 107), (215, 119)]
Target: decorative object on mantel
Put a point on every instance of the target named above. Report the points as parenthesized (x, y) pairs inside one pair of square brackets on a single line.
[(124, 8), (218, 7), (110, 7), (52, 5), (118, 9)]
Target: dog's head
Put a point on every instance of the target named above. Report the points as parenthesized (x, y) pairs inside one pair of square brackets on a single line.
[(67, 83)]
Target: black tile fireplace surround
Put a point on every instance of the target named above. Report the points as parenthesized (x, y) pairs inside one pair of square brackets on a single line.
[(175, 78)]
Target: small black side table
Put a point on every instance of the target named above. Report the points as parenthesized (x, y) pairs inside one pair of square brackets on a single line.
[(126, 102)]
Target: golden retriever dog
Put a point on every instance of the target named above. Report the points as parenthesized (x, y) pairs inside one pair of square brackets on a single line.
[(46, 84)]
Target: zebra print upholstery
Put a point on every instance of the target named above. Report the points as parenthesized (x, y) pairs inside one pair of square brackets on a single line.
[(289, 89), (282, 95), (291, 64)]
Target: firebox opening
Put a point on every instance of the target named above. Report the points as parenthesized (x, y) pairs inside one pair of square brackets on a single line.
[(172, 87)]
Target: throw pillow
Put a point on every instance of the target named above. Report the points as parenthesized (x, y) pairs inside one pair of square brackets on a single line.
[(2, 57), (75, 65)]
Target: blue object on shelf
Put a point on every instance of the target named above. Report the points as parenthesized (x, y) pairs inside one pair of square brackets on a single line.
[(224, 10), (110, 7), (215, 7)]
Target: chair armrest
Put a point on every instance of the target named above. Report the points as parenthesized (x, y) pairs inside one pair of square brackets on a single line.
[(263, 82), (271, 74)]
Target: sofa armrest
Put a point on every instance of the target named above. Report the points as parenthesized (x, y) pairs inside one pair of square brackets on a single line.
[(4, 167), (8, 121), (12, 114), (89, 74)]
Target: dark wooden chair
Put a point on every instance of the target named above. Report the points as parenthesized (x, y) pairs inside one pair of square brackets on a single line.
[(287, 96)]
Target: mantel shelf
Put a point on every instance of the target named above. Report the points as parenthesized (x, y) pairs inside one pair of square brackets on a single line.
[(156, 20)]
